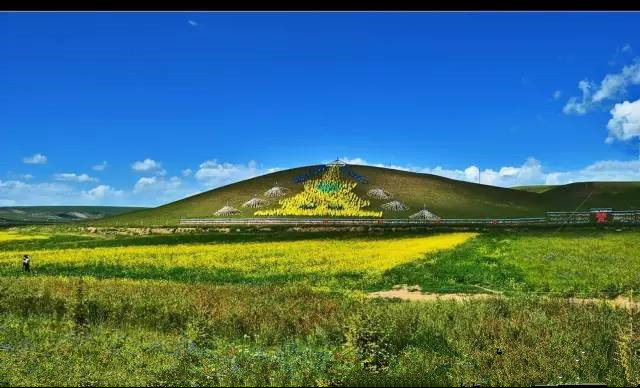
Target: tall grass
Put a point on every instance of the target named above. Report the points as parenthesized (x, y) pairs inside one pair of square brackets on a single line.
[(166, 333)]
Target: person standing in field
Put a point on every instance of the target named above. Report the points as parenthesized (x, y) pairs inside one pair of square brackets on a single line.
[(25, 263)]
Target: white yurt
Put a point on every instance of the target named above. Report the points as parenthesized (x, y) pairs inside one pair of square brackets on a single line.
[(276, 191), (395, 206), (379, 193), (227, 210), (424, 214), (255, 202)]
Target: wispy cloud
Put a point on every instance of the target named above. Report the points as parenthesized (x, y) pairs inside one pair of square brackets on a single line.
[(101, 192), (580, 106), (192, 23), (557, 94), (148, 166), (613, 86), (531, 172), (100, 167), (73, 177), (157, 184), (23, 177), (213, 174), (35, 159)]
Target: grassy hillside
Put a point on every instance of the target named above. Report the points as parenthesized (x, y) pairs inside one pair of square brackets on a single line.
[(617, 195), (18, 215), (445, 197)]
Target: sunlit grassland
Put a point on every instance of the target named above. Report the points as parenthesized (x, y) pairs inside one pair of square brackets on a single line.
[(576, 262), (287, 309), (579, 262)]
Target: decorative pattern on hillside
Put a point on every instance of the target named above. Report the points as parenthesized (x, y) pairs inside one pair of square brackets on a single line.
[(311, 174), (321, 170), (328, 195), (354, 175)]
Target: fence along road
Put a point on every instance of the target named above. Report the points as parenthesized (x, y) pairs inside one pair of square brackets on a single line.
[(552, 218)]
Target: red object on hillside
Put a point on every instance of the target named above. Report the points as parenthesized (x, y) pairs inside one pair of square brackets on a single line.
[(602, 217)]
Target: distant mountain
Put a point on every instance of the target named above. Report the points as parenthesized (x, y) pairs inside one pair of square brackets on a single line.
[(20, 215)]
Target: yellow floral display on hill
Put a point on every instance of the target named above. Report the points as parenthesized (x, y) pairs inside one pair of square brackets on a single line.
[(326, 196)]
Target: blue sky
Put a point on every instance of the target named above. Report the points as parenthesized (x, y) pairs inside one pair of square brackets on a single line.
[(145, 108)]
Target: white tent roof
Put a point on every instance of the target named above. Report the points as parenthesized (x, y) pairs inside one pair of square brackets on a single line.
[(395, 206), (379, 194), (276, 191), (255, 202), (227, 210), (424, 214)]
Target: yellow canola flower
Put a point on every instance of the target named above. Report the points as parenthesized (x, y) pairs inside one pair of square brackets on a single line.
[(11, 236), (321, 256)]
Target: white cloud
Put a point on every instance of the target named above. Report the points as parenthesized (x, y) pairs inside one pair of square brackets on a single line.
[(187, 172), (625, 121), (626, 48), (613, 86), (192, 22), (56, 193), (24, 193), (576, 106), (35, 159), (557, 94), (73, 177), (606, 170), (213, 174), (157, 184), (100, 167), (148, 165), (530, 172), (24, 177), (102, 192)]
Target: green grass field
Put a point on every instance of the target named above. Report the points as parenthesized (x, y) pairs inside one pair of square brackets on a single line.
[(291, 309), (445, 197)]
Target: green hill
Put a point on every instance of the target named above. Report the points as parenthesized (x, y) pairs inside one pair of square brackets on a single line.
[(19, 215), (617, 195), (447, 198)]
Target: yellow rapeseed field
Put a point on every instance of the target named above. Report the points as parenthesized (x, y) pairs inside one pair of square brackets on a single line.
[(11, 236), (321, 256)]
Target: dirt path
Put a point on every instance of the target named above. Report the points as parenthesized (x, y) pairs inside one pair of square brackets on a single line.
[(414, 293)]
